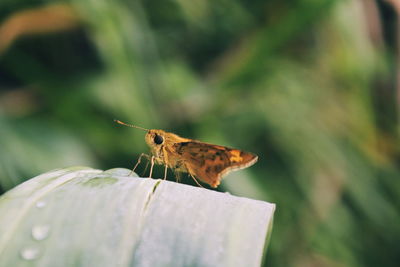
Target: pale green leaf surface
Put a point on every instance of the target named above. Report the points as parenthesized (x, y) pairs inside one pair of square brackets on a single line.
[(86, 217)]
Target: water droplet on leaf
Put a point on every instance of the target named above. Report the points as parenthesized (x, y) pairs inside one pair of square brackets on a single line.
[(30, 253), (40, 232), (40, 204)]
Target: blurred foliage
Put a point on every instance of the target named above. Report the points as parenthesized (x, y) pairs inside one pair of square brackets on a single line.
[(310, 86)]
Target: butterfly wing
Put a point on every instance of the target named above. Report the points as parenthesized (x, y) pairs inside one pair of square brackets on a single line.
[(210, 163)]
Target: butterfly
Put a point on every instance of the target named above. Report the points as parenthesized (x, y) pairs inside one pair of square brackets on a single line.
[(203, 161)]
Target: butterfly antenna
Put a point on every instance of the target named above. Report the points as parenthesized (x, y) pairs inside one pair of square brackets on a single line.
[(131, 125)]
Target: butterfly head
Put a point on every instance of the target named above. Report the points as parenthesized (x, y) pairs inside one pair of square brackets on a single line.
[(155, 139)]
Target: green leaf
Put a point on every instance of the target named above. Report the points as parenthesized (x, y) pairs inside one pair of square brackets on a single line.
[(86, 217)]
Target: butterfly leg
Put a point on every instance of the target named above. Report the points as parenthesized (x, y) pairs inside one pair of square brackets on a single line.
[(191, 175), (165, 172), (196, 180), (138, 162), (178, 176), (145, 168), (151, 166)]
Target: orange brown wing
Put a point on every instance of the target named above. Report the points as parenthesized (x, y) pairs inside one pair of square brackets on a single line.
[(210, 162)]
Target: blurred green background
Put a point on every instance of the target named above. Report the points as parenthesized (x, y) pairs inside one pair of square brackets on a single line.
[(312, 87)]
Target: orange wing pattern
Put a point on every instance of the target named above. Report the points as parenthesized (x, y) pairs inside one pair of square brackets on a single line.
[(210, 163)]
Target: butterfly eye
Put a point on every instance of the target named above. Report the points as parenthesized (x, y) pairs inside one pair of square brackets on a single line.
[(158, 139)]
